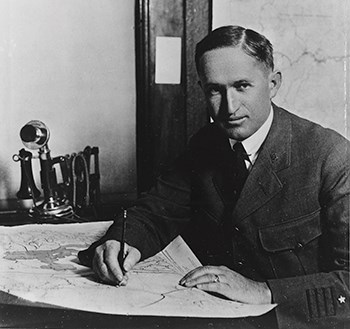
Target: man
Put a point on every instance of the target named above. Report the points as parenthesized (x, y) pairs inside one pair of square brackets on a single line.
[(271, 224)]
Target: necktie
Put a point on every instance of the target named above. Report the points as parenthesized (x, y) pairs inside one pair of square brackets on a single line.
[(240, 172), (236, 175)]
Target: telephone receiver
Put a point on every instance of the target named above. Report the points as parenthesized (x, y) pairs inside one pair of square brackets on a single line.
[(35, 136)]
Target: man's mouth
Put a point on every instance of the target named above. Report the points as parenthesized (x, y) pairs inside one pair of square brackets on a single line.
[(234, 120)]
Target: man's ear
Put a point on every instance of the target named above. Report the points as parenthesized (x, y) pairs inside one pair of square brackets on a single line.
[(275, 81)]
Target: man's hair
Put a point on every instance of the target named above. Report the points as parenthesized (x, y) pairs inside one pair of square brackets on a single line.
[(251, 42)]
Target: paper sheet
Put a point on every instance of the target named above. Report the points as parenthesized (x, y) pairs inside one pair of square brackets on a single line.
[(168, 60), (39, 263)]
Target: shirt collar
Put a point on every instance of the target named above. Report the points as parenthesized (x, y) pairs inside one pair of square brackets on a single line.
[(253, 143)]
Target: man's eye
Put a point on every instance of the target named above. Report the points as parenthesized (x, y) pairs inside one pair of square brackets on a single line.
[(242, 86), (213, 91)]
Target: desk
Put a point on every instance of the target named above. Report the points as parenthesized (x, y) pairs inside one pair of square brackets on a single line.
[(19, 313), (32, 316), (12, 213)]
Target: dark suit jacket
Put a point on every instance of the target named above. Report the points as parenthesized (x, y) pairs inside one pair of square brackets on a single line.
[(289, 228)]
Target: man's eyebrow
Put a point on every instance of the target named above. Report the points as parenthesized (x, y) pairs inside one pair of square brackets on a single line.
[(212, 84), (219, 85), (238, 82)]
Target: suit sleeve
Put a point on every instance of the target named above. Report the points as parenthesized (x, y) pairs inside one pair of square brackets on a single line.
[(158, 216), (322, 300)]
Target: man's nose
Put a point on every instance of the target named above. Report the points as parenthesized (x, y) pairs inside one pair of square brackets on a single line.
[(232, 101)]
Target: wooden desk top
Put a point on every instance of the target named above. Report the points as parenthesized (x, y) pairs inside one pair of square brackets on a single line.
[(25, 316)]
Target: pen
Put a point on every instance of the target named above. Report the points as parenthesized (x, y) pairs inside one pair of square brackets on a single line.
[(121, 257)]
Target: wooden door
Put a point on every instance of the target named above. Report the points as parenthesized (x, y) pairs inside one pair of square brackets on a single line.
[(167, 114)]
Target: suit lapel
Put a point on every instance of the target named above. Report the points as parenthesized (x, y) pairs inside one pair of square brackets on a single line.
[(263, 183)]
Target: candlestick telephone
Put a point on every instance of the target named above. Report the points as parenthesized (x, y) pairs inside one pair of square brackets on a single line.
[(70, 183)]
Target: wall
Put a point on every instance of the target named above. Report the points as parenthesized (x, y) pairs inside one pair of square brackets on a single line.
[(311, 43), (70, 64)]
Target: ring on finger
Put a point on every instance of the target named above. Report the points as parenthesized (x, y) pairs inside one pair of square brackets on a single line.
[(217, 278)]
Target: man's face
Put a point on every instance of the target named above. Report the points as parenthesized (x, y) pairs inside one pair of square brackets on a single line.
[(238, 90)]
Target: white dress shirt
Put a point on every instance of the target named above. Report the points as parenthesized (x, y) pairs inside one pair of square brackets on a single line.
[(253, 143)]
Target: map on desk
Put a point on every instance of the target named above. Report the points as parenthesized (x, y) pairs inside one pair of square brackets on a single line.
[(39, 263)]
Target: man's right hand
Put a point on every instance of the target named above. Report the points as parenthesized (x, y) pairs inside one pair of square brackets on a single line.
[(106, 266)]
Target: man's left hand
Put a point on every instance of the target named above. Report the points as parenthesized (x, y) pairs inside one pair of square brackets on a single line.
[(228, 283)]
